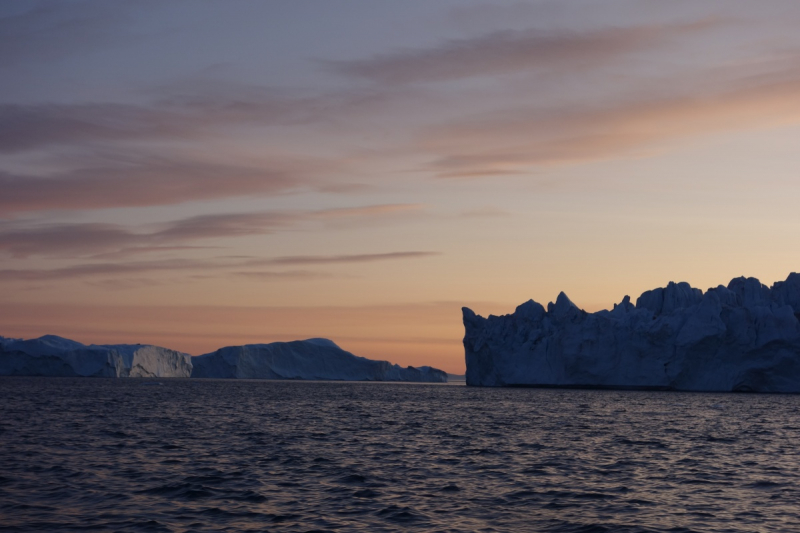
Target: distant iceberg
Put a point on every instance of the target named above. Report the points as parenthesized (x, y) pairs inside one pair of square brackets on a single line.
[(314, 359), (56, 356), (743, 337)]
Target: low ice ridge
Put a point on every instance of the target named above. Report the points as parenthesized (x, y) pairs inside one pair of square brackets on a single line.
[(312, 359), (741, 337)]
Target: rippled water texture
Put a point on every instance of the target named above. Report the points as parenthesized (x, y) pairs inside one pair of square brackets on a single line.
[(196, 455)]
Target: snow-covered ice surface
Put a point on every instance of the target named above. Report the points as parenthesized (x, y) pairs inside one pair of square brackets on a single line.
[(56, 356), (743, 337), (316, 359)]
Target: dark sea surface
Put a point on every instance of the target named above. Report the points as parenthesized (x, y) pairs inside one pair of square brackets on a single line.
[(213, 455)]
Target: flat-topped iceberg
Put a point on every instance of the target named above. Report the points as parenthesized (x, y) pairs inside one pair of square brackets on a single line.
[(743, 337), (316, 359), (56, 356)]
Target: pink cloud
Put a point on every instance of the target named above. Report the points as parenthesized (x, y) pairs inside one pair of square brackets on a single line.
[(513, 140)]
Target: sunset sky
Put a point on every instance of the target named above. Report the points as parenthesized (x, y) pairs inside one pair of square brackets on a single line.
[(202, 174)]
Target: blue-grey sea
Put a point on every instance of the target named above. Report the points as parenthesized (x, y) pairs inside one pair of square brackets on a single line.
[(223, 455)]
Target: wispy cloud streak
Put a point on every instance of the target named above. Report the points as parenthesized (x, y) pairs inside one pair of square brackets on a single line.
[(23, 239), (96, 270), (171, 117), (25, 127), (299, 275), (354, 258), (139, 183), (189, 267), (91, 238), (516, 139), (511, 51)]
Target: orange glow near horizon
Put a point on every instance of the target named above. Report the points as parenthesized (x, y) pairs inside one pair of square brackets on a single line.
[(405, 335)]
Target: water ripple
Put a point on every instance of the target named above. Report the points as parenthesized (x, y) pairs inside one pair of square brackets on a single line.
[(208, 455)]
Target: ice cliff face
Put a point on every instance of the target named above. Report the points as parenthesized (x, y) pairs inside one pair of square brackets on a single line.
[(310, 359), (743, 337), (56, 356)]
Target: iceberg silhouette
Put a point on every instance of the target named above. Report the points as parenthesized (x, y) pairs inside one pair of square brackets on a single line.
[(314, 359), (743, 337)]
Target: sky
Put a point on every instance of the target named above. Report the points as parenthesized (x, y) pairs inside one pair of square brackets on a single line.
[(203, 174)]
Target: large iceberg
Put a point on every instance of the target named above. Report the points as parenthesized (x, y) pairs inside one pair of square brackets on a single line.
[(56, 356), (743, 337), (316, 359)]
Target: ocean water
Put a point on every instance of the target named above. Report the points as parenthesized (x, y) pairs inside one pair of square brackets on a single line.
[(197, 455)]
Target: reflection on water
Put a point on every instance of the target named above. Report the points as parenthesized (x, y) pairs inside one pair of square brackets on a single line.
[(198, 455)]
